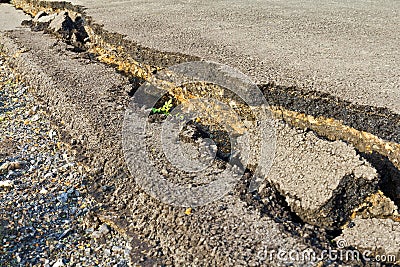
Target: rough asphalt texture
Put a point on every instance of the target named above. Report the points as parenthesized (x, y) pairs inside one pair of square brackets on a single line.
[(319, 178), (346, 49), (46, 216), (97, 123), (90, 98)]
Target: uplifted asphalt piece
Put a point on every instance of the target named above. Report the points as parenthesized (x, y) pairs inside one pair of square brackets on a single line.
[(322, 181), (88, 99)]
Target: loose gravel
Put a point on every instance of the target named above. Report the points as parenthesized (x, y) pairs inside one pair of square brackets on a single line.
[(46, 215)]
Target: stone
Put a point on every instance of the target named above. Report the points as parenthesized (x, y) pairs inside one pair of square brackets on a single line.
[(117, 249), (63, 197), (87, 252), (10, 166), (96, 235), (43, 17), (6, 183), (107, 253), (59, 263), (80, 34), (63, 25), (104, 229), (43, 191)]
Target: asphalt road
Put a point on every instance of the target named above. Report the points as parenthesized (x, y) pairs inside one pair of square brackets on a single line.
[(84, 95), (348, 49)]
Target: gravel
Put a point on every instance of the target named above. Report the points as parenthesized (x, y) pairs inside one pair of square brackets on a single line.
[(46, 217)]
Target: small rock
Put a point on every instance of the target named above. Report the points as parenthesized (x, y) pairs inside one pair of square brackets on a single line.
[(35, 118), (12, 174), (71, 191), (52, 134), (80, 34), (87, 252), (10, 166), (164, 172), (43, 191), (127, 253), (104, 229), (96, 235), (4, 167), (65, 233), (106, 188), (48, 175), (107, 253), (18, 257), (117, 249), (59, 263), (63, 197), (7, 183)]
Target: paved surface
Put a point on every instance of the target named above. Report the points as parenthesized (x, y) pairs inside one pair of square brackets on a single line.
[(88, 97), (10, 18), (348, 49)]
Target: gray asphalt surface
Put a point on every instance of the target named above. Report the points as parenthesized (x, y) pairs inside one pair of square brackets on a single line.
[(90, 98), (10, 18), (347, 49)]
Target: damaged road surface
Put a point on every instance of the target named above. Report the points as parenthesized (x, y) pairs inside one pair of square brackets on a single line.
[(334, 180)]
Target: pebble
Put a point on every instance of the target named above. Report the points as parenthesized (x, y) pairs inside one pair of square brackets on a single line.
[(35, 118), (63, 197), (52, 134), (117, 249), (97, 235), (6, 183), (43, 191), (107, 253), (65, 233)]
